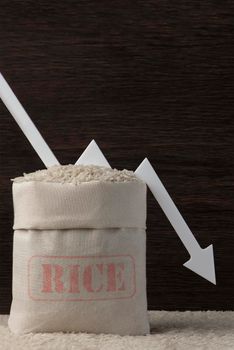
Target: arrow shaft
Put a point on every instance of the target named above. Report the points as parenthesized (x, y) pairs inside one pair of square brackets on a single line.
[(25, 123), (147, 173)]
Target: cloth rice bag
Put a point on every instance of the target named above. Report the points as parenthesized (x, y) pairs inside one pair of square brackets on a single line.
[(79, 251)]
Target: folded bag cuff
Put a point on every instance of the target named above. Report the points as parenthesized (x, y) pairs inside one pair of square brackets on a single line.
[(44, 205)]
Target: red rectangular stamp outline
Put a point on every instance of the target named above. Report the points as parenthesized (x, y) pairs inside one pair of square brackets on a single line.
[(81, 257)]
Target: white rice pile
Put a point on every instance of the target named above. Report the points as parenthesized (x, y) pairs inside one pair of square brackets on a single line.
[(77, 174)]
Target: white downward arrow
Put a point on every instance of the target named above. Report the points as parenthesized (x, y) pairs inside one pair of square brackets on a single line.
[(201, 260)]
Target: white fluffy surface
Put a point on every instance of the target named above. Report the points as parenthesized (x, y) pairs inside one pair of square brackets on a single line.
[(169, 331), (77, 174)]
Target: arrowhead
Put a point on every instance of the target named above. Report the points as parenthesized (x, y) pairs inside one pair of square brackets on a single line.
[(202, 263)]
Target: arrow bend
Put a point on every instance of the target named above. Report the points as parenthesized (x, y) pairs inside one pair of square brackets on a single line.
[(201, 260)]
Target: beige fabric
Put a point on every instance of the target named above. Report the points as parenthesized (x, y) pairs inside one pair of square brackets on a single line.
[(41, 205), (79, 258)]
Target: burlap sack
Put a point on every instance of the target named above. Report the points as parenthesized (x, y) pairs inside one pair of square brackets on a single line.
[(79, 258)]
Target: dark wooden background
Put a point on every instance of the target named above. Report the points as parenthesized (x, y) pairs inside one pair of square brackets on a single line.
[(143, 78)]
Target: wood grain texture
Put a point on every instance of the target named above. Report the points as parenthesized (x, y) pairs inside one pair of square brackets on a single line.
[(143, 78)]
